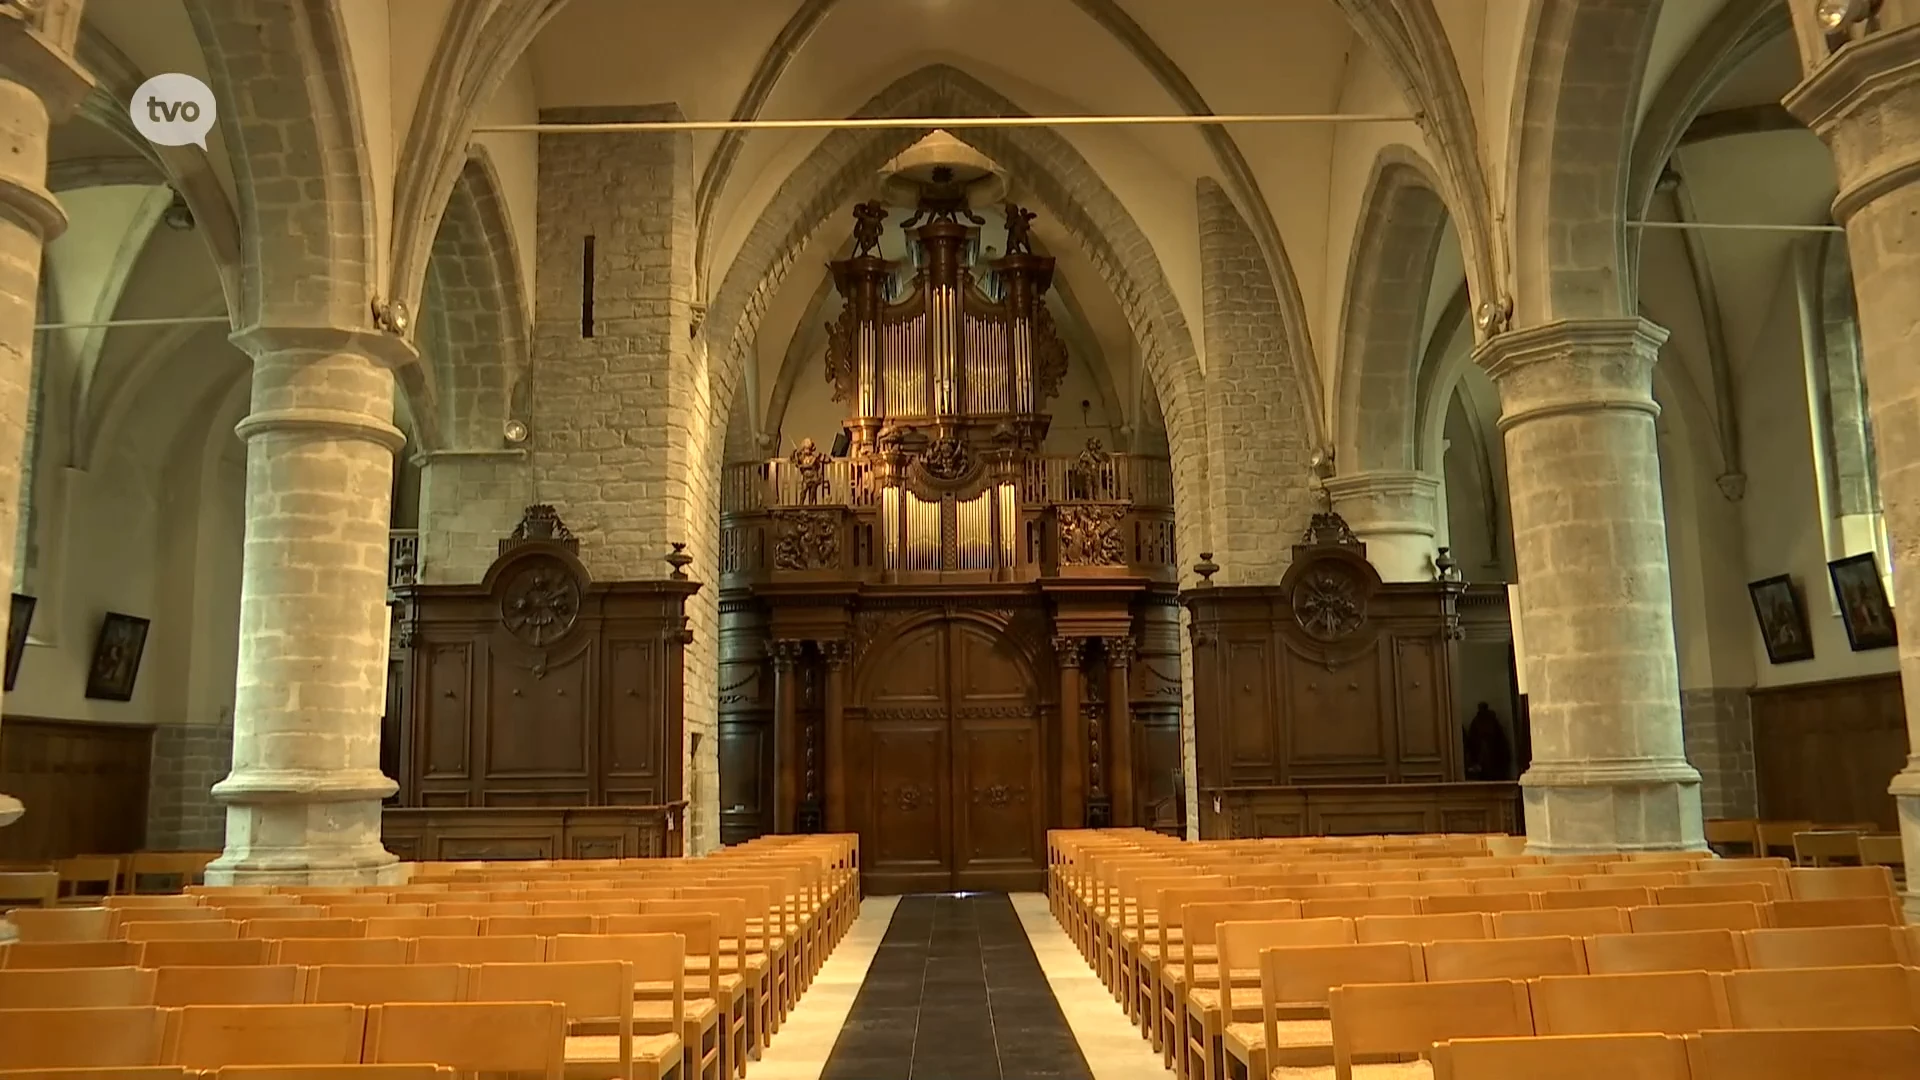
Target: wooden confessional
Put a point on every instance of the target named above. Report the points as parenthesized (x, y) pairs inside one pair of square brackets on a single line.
[(1325, 705), (539, 713), (945, 639)]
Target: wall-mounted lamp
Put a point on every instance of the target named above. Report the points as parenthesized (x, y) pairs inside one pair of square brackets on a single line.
[(391, 316), (1837, 18), (514, 431)]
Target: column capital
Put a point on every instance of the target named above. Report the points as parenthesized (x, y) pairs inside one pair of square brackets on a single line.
[(1121, 650), (1864, 103), (30, 58), (836, 652), (384, 349), (1069, 649), (1573, 366), (1375, 483), (785, 652)]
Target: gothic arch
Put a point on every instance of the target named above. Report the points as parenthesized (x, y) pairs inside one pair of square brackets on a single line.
[(842, 166), (1402, 222), (484, 312), (290, 114), (1575, 106)]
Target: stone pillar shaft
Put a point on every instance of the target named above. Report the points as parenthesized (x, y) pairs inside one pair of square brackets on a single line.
[(1394, 514), (1864, 102), (42, 83), (303, 800), (1073, 740), (1609, 766)]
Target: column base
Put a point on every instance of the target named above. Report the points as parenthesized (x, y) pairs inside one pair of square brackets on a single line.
[(1593, 808), (10, 811), (297, 828), (1906, 796)]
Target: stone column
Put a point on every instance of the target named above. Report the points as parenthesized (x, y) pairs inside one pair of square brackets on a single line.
[(1073, 741), (39, 83), (1864, 102), (786, 733), (303, 800), (837, 654), (1120, 730), (1609, 766), (1393, 512)]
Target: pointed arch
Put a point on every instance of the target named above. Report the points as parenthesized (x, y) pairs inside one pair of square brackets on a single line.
[(1575, 107), (842, 167), (483, 308), (290, 117), (1403, 220)]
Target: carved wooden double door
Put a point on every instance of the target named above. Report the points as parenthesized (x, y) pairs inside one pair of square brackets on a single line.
[(953, 757)]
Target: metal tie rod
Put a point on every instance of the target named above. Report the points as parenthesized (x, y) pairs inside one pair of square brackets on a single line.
[(869, 122), (1734, 226), (178, 320)]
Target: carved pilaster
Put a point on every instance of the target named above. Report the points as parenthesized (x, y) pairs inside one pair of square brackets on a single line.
[(786, 735), (838, 654), (1068, 653), (1119, 716)]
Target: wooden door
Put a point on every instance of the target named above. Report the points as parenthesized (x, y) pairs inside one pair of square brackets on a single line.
[(954, 757)]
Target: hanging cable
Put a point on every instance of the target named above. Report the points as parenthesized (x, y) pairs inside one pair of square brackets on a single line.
[(179, 320), (1733, 226), (870, 122)]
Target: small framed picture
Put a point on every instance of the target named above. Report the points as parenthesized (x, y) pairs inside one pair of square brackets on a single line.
[(19, 621), (1783, 622), (1863, 602), (116, 657)]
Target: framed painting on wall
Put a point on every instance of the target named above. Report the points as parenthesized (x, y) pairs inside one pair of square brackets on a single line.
[(1783, 622), (19, 621), (116, 657), (1863, 602)]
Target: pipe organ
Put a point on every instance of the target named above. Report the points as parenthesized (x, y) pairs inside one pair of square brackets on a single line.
[(945, 637)]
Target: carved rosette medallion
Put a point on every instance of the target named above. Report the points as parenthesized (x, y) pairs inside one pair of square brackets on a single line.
[(806, 540), (999, 796), (541, 602), (1090, 535), (1328, 603)]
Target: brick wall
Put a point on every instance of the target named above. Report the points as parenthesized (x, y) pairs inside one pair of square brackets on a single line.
[(188, 759), (1718, 724)]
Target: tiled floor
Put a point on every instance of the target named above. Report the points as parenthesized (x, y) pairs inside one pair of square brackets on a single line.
[(974, 988)]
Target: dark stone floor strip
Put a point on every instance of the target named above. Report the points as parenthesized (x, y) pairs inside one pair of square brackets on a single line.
[(955, 993)]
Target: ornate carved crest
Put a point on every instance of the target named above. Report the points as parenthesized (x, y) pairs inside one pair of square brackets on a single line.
[(540, 522), (946, 459), (541, 601), (842, 367), (1328, 602), (806, 540), (1090, 535), (1049, 355), (1328, 529)]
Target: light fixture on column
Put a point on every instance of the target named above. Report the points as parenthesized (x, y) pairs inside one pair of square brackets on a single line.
[(178, 215), (1837, 18), (514, 431), (1494, 317), (391, 316)]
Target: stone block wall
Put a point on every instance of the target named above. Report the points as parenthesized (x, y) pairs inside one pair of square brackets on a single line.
[(469, 500), (188, 759), (1718, 725), (623, 422)]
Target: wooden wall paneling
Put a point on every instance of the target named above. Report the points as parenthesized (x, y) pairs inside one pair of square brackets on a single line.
[(1252, 736), (614, 832), (1337, 729), (84, 786), (634, 755), (1826, 751), (538, 735), (1424, 728)]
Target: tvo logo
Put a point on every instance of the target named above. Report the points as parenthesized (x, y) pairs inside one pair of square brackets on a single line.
[(173, 110)]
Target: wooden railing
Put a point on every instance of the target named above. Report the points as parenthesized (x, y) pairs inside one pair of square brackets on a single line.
[(1146, 482)]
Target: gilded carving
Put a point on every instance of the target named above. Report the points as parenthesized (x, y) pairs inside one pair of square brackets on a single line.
[(946, 459), (806, 540), (1327, 603), (1049, 355), (843, 363), (541, 601), (1090, 535)]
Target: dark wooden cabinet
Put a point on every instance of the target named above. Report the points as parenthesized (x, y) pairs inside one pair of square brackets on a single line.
[(1325, 704), (540, 689)]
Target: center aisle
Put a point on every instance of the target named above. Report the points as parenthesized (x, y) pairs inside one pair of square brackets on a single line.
[(955, 992)]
